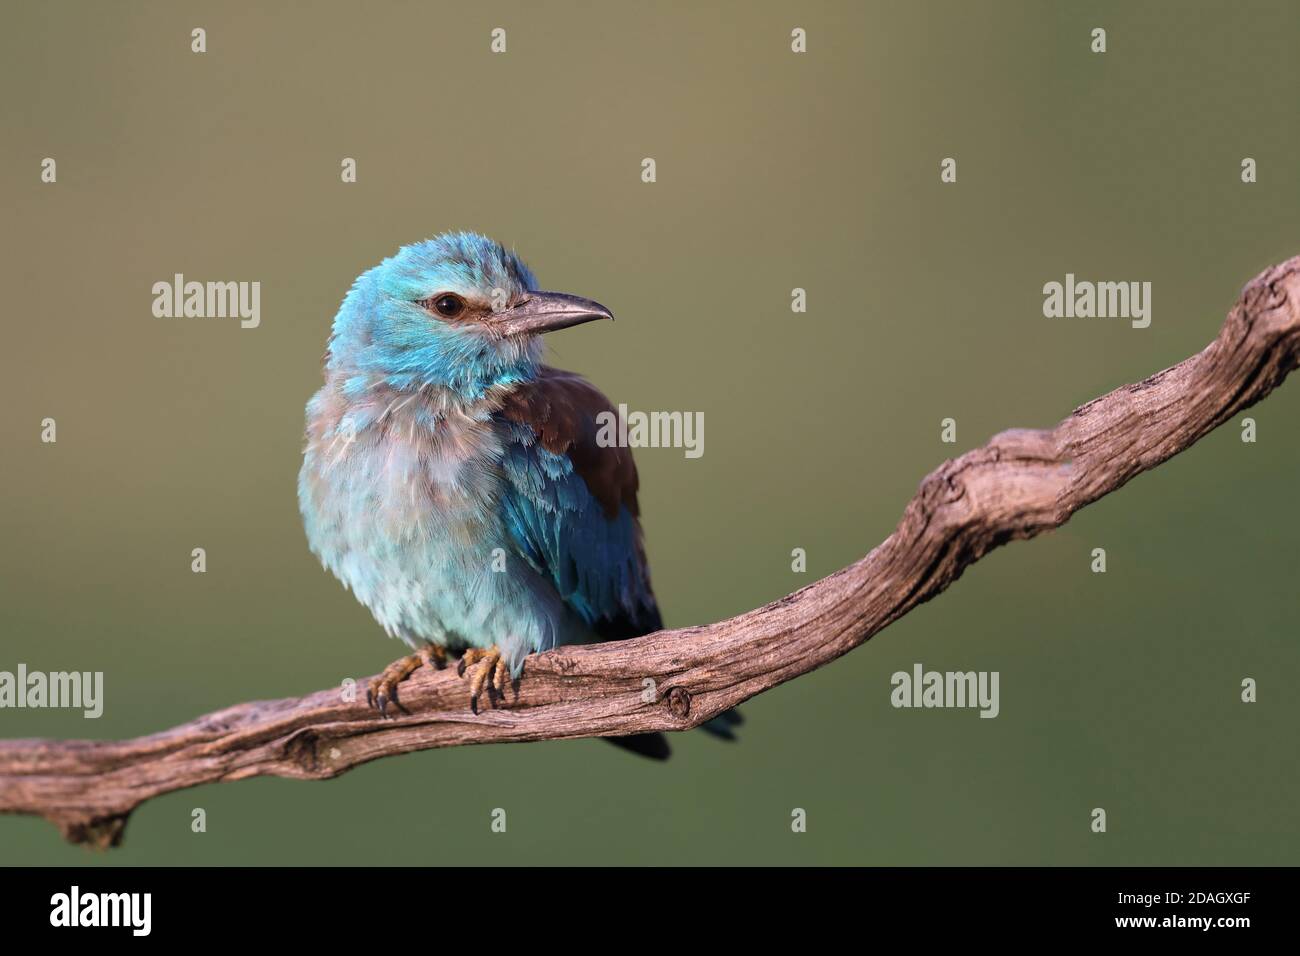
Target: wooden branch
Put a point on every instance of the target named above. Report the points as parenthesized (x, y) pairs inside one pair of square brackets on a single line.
[(1019, 484)]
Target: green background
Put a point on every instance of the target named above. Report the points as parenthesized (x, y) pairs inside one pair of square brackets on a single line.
[(775, 170)]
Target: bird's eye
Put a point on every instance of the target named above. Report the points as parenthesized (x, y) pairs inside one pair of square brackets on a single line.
[(447, 305)]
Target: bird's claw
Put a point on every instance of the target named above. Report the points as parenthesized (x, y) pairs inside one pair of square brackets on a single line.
[(382, 692), (383, 689), (486, 668)]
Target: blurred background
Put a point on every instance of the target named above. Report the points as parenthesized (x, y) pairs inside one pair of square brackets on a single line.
[(775, 170)]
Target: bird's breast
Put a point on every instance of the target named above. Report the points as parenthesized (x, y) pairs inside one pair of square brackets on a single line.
[(408, 512), (403, 475)]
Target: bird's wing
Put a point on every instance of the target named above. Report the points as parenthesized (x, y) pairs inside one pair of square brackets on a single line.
[(571, 504)]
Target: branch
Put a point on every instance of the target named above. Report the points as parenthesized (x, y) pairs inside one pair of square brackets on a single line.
[(1020, 484)]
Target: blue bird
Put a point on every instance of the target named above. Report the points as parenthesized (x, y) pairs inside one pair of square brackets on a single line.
[(454, 482)]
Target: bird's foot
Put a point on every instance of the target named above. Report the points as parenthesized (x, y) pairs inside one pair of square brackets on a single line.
[(383, 689), (482, 665)]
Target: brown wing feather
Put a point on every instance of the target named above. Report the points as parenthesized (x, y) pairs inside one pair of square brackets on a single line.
[(561, 408)]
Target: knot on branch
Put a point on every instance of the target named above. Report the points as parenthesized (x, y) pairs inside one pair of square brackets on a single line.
[(99, 832), (679, 702), (301, 750)]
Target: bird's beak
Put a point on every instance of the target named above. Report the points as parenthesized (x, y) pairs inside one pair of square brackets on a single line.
[(546, 312)]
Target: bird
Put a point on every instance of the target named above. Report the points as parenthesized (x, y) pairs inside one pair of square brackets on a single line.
[(457, 485)]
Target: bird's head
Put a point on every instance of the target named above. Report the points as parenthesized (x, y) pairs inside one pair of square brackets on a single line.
[(458, 312)]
